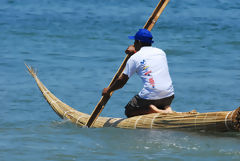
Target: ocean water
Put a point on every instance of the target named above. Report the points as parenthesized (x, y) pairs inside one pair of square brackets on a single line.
[(77, 47)]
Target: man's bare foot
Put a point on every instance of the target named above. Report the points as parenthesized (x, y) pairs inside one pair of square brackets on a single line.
[(154, 109)]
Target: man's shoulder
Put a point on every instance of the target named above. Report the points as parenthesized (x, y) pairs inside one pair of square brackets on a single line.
[(146, 51), (158, 50), (152, 50)]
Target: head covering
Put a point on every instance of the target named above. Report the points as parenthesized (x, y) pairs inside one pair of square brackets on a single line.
[(143, 35)]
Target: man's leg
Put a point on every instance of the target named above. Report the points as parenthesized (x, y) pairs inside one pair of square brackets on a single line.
[(138, 106)]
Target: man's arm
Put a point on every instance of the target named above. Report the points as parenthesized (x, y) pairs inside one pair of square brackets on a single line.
[(119, 83)]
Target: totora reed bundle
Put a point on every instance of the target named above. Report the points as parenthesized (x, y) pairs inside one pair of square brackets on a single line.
[(211, 121)]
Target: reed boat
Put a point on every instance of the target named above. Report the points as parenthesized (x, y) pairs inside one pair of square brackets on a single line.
[(221, 121)]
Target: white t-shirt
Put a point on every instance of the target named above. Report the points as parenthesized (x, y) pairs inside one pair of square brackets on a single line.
[(150, 64)]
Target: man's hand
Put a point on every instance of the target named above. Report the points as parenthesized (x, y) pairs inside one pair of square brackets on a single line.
[(130, 50), (106, 92)]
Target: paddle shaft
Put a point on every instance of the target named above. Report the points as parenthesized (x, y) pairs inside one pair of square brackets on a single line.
[(104, 99)]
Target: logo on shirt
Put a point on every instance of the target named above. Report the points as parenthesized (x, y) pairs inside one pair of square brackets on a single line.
[(147, 72)]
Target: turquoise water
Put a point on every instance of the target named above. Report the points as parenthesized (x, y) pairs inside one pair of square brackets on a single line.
[(77, 47)]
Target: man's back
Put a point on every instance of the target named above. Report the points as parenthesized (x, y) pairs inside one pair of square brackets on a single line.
[(150, 63)]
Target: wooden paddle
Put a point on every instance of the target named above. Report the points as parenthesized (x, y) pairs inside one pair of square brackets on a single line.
[(149, 25)]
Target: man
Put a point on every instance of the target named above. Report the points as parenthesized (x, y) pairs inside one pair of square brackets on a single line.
[(150, 64)]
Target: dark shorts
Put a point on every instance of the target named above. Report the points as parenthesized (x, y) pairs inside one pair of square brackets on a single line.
[(139, 104)]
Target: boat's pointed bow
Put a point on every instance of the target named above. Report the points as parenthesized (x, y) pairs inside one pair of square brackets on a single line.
[(31, 70)]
